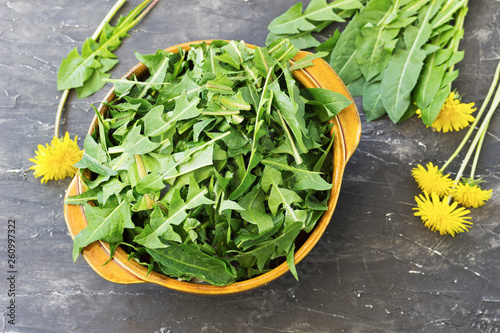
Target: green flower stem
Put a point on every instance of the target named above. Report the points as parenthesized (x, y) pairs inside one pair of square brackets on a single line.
[(480, 133), (60, 108), (476, 155), (478, 116)]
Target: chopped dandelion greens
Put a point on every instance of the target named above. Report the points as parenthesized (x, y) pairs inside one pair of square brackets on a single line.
[(212, 166)]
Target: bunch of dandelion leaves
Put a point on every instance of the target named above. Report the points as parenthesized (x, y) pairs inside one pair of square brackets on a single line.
[(212, 166), (86, 70), (299, 26), (398, 55)]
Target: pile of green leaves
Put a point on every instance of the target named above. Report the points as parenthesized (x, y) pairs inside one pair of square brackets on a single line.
[(85, 72), (212, 166), (398, 54), (298, 26)]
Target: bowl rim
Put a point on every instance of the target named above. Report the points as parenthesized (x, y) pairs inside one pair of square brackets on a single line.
[(119, 269)]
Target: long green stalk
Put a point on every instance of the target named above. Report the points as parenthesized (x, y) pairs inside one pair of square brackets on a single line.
[(482, 130), (60, 108), (476, 155), (478, 116)]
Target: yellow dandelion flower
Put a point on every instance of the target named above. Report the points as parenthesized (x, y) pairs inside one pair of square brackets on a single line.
[(440, 216), (470, 195), (454, 115), (432, 180), (55, 161)]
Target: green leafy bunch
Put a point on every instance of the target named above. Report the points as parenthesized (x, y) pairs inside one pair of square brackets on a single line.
[(85, 71), (299, 27), (211, 166), (399, 55)]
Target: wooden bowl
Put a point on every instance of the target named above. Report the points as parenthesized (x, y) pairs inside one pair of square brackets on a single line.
[(347, 130)]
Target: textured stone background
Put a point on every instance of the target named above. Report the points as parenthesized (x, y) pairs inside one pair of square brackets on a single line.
[(376, 269)]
